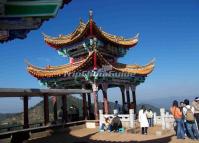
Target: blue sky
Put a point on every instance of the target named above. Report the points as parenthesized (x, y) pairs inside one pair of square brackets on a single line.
[(169, 32)]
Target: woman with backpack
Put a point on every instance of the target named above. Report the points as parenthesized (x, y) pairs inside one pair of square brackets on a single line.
[(177, 114), (190, 120)]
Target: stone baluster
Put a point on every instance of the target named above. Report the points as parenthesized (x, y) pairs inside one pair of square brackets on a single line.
[(162, 114), (131, 118)]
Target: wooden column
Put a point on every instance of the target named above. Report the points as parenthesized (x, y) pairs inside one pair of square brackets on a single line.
[(25, 106), (84, 104), (95, 88), (46, 109), (127, 95), (134, 98), (123, 95), (64, 105), (55, 108), (105, 98), (89, 105)]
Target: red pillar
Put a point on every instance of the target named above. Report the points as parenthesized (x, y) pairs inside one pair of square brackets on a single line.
[(104, 91), (25, 105), (95, 88), (64, 107), (84, 106), (46, 110), (95, 105)]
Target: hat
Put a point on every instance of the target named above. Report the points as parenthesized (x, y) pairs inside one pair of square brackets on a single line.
[(197, 98)]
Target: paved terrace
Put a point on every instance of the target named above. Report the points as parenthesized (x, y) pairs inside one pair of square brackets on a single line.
[(93, 136)]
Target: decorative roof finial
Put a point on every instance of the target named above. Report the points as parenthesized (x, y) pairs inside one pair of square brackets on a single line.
[(90, 14)]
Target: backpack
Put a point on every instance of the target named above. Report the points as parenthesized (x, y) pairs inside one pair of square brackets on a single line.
[(189, 115)]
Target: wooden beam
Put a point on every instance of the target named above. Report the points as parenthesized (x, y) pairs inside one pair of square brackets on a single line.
[(21, 92)]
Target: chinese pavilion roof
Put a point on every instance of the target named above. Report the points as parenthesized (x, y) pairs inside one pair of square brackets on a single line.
[(19, 17), (91, 50), (85, 30), (57, 71)]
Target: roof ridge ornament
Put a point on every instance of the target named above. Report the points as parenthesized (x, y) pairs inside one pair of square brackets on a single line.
[(137, 35), (90, 14)]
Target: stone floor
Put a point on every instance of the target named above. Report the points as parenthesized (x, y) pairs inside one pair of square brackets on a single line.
[(93, 136)]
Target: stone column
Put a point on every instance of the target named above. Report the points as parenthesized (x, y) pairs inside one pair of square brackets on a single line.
[(64, 108), (104, 91), (131, 117), (127, 95), (154, 118), (46, 109), (89, 105), (95, 89), (101, 118), (133, 88), (25, 105)]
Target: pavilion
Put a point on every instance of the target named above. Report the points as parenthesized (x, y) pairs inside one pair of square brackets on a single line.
[(93, 65)]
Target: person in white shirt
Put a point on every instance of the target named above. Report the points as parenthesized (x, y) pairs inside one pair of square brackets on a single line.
[(188, 112), (150, 117), (144, 124)]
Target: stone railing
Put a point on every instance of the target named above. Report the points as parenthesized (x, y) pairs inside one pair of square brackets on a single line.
[(128, 120), (165, 119)]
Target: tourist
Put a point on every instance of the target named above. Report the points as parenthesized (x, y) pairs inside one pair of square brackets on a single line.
[(195, 104), (181, 106), (190, 120), (150, 117), (117, 106), (177, 114), (116, 123), (106, 126), (142, 118)]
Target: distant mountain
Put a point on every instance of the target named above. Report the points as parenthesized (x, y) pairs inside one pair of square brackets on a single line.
[(148, 106), (36, 112), (166, 102), (3, 116)]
